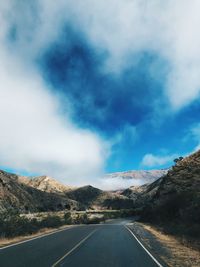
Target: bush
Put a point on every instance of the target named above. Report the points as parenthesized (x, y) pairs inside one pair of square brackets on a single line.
[(96, 220), (12, 224), (81, 219), (179, 207), (178, 160), (51, 221), (179, 214), (67, 218)]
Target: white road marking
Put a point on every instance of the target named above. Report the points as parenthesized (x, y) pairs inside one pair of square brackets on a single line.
[(153, 258), (37, 237), (74, 248)]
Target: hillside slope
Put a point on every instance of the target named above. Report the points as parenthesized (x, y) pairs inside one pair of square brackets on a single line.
[(176, 196), (47, 184), (16, 193), (95, 198)]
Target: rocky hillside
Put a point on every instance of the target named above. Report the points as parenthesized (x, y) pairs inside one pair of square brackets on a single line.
[(174, 198), (47, 184), (16, 193), (184, 177), (134, 192), (143, 195)]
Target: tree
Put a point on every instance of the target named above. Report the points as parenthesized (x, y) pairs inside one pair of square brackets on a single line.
[(178, 159)]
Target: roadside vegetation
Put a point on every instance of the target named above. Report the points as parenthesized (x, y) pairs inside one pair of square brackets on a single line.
[(178, 215), (13, 224)]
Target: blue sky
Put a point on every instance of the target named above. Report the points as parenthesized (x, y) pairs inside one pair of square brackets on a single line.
[(111, 104), (94, 93)]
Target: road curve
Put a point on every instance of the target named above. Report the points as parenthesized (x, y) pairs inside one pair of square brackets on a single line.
[(106, 245)]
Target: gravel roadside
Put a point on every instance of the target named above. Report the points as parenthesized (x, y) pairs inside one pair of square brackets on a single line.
[(166, 247)]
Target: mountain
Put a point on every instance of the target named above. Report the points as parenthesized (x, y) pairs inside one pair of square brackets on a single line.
[(47, 184), (143, 195), (86, 194), (95, 198), (15, 192)]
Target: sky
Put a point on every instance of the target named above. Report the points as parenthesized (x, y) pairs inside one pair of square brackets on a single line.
[(91, 87)]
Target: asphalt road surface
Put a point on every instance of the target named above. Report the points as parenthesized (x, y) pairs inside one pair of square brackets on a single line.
[(105, 245)]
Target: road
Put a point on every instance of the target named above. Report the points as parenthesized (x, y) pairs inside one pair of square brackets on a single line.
[(107, 245)]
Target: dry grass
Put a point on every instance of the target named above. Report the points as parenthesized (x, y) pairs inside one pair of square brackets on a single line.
[(181, 255), (9, 241)]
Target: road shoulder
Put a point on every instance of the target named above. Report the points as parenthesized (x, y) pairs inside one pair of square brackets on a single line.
[(166, 247), (4, 242)]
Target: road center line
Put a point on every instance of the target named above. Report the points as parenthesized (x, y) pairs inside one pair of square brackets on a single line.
[(74, 248), (153, 258)]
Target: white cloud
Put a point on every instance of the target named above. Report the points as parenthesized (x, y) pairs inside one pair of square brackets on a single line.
[(118, 183), (123, 29), (35, 136), (168, 28), (150, 160), (128, 132), (194, 133)]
